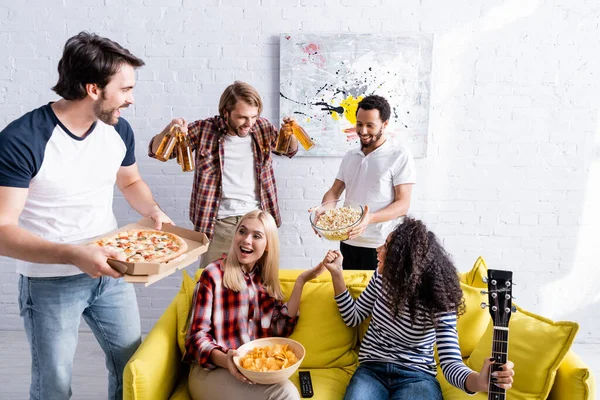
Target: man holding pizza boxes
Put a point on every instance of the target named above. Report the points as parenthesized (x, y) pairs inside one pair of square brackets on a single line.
[(58, 167)]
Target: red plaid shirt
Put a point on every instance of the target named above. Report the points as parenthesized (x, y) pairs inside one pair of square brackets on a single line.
[(206, 138), (224, 319)]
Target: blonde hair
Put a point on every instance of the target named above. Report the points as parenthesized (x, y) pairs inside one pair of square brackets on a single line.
[(233, 277), (239, 91)]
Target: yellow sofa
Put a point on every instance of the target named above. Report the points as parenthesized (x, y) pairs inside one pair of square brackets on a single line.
[(545, 367)]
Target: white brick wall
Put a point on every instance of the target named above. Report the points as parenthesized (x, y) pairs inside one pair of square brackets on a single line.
[(513, 168)]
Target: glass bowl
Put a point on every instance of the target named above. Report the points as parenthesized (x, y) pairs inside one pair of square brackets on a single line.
[(334, 219), (270, 377)]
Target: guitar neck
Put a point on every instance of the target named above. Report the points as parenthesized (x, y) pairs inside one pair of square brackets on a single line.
[(500, 354)]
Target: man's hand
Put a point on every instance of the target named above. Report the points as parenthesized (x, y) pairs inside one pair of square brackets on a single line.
[(92, 260), (177, 121), (360, 228), (317, 216), (159, 218), (233, 368)]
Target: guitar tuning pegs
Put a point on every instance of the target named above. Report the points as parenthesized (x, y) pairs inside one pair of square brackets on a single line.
[(484, 279), (484, 305), (513, 309), (484, 292)]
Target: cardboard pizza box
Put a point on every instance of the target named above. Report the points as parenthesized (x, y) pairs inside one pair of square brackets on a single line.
[(143, 272)]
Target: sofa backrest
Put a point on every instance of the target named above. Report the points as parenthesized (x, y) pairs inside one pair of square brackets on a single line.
[(320, 329)]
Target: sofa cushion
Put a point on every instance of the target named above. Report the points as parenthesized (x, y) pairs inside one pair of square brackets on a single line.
[(328, 383), (475, 276), (536, 346), (184, 304), (574, 380), (473, 323), (321, 330), (450, 392)]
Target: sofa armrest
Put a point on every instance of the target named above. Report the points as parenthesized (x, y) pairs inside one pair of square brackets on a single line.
[(574, 380), (153, 371)]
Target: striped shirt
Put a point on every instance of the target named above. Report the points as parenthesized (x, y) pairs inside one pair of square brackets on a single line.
[(400, 342), (206, 139), (224, 319)]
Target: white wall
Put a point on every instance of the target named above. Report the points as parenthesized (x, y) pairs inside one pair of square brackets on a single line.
[(512, 171)]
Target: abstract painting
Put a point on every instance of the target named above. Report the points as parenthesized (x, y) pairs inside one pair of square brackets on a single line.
[(323, 77)]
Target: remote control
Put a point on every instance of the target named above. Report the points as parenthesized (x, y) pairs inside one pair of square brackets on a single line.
[(306, 388)]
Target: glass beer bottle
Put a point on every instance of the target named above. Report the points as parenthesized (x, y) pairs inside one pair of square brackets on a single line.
[(302, 136), (283, 140), (167, 144), (184, 150)]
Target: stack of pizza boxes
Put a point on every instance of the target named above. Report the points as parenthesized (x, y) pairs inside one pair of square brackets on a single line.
[(150, 272)]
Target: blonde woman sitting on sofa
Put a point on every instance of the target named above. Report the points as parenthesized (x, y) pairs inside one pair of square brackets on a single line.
[(414, 298), (237, 299)]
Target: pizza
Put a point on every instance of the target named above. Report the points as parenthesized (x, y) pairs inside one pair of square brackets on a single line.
[(145, 245)]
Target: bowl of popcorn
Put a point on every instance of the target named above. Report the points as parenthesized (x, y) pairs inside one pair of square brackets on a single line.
[(269, 360), (334, 219)]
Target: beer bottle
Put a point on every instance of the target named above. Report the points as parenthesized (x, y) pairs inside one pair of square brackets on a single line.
[(184, 151), (302, 136), (167, 144), (283, 140)]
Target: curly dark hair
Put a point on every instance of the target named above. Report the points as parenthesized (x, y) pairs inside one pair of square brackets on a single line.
[(375, 102), (419, 274)]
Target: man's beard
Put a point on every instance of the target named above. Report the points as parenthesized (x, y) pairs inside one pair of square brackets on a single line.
[(237, 130), (106, 115), (371, 143)]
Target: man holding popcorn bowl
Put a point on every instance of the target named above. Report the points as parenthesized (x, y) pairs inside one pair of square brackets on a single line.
[(378, 175)]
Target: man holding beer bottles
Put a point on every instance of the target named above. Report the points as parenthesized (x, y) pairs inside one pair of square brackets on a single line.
[(234, 169)]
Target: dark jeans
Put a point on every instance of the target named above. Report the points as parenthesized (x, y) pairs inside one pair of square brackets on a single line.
[(358, 257), (381, 380)]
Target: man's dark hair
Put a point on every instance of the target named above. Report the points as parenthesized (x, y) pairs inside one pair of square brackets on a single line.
[(375, 102), (89, 58)]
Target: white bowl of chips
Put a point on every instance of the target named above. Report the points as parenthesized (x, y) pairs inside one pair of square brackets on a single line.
[(335, 219), (269, 360)]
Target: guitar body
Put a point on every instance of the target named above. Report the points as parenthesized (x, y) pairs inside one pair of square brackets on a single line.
[(500, 306)]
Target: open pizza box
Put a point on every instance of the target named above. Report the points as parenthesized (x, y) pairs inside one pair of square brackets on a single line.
[(148, 273)]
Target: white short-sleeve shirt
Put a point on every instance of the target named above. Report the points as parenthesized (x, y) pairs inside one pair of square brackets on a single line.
[(370, 180), (70, 179)]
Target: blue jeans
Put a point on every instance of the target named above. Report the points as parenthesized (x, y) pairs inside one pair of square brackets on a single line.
[(52, 308), (380, 380)]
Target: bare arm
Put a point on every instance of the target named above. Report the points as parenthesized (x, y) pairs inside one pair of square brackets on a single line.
[(335, 192), (16, 242), (293, 304), (333, 263), (138, 195), (398, 208)]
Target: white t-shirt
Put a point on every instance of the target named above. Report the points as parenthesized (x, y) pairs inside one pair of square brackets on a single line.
[(70, 179), (370, 180), (240, 187)]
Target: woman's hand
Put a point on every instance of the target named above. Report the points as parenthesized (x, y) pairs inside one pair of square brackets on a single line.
[(233, 368), (333, 261), (502, 378), (312, 273)]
